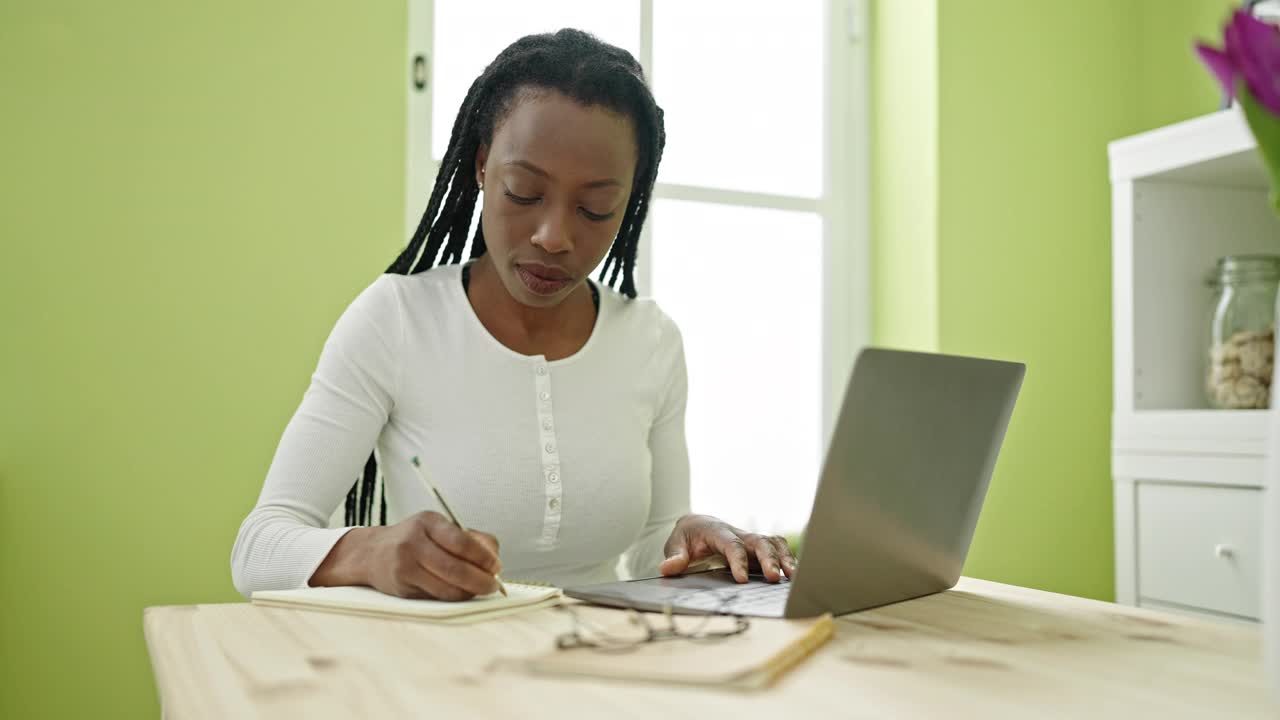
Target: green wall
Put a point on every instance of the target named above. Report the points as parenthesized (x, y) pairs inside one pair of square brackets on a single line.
[(1027, 96), (1173, 84), (192, 194)]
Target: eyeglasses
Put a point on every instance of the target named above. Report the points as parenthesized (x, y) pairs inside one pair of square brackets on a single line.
[(704, 627)]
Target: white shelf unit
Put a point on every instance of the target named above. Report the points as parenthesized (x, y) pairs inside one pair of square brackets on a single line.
[(1187, 479)]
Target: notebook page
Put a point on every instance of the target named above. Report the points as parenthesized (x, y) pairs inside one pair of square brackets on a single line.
[(367, 600)]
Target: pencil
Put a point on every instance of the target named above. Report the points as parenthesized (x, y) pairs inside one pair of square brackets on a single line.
[(426, 479)]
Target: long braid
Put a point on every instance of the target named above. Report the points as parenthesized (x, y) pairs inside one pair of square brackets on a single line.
[(448, 166), (404, 263), (351, 517), (368, 485), (622, 256), (478, 247), (461, 223), (577, 65)]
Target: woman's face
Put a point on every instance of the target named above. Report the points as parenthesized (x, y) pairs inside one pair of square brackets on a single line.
[(556, 178)]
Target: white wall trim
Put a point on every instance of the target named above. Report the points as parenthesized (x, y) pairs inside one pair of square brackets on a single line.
[(644, 254), (420, 169), (846, 200)]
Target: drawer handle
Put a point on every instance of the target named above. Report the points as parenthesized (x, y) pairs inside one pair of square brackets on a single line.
[(1224, 551)]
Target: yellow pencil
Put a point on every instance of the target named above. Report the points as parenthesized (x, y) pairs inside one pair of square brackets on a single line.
[(426, 479)]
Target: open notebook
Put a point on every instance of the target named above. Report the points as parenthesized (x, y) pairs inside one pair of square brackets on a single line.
[(369, 602)]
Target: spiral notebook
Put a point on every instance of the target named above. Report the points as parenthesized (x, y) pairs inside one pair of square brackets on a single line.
[(372, 603)]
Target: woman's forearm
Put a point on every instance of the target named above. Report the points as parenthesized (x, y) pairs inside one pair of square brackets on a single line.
[(348, 562)]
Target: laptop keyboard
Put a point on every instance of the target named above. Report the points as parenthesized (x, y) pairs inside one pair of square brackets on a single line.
[(745, 599), (712, 591)]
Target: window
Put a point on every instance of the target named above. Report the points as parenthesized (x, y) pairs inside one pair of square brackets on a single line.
[(743, 103), (744, 285), (756, 241)]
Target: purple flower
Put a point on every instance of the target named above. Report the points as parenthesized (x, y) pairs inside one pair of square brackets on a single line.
[(1251, 51)]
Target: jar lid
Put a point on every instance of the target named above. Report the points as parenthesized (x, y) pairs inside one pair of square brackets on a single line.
[(1250, 260), (1244, 268)]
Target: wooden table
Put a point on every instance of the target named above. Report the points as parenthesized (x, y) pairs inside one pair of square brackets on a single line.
[(982, 650)]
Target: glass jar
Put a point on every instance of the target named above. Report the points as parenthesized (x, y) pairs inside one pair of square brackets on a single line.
[(1242, 331)]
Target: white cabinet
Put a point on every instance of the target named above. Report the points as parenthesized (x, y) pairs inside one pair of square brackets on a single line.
[(1187, 479)]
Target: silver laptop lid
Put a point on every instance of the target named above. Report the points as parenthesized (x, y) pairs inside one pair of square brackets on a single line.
[(904, 479)]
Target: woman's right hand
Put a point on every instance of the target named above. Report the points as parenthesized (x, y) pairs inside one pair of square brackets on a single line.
[(422, 556), (426, 556)]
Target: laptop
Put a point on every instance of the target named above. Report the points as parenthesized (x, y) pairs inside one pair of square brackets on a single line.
[(897, 502)]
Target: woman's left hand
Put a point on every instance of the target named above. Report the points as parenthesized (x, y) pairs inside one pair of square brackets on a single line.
[(701, 536)]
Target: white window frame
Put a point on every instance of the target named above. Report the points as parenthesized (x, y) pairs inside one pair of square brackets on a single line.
[(844, 204)]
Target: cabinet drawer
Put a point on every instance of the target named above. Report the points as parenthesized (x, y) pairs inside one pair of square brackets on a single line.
[(1200, 547)]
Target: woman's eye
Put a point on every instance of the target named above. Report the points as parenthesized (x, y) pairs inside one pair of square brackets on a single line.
[(520, 200)]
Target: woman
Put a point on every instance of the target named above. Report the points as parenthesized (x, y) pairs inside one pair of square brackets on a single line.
[(549, 410)]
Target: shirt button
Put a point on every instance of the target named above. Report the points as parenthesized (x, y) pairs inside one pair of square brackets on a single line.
[(550, 448), (553, 477), (546, 423), (554, 503), (542, 370), (544, 395)]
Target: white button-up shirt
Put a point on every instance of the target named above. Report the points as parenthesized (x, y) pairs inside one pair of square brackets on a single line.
[(570, 463)]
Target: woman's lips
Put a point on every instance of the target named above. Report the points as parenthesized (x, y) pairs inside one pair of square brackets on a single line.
[(543, 280)]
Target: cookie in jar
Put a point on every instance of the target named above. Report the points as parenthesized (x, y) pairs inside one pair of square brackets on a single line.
[(1242, 332)]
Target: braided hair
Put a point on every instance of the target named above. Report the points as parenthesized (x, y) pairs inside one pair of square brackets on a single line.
[(581, 67)]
